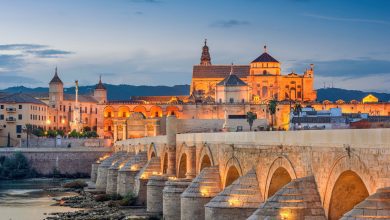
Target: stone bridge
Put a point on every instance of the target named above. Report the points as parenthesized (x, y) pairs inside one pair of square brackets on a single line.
[(327, 174)]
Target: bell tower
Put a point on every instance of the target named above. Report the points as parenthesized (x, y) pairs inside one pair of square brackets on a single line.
[(56, 90), (100, 92), (205, 59)]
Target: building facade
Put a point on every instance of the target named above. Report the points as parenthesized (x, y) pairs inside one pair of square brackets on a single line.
[(263, 77)]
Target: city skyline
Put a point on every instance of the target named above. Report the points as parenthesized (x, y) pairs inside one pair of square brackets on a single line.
[(142, 42)]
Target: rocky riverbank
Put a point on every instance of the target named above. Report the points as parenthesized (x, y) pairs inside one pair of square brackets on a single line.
[(93, 208)]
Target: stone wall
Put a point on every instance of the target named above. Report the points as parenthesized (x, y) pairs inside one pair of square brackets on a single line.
[(66, 161)]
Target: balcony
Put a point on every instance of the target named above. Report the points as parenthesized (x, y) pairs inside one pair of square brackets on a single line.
[(10, 109), (10, 119)]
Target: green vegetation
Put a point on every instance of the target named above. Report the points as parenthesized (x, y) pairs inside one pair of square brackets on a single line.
[(250, 118), (128, 200), (16, 167), (77, 184), (272, 104)]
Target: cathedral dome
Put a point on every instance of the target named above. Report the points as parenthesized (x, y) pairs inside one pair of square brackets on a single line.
[(265, 58)]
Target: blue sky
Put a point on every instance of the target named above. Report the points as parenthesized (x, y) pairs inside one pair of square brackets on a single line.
[(156, 42)]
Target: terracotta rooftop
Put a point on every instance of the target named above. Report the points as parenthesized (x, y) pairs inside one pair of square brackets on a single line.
[(219, 71)]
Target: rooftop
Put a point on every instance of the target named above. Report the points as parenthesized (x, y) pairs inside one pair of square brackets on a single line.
[(20, 98)]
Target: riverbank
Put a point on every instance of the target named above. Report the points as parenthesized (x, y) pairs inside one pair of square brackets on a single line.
[(96, 205)]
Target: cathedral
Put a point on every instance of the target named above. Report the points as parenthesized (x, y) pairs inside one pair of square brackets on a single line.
[(258, 82)]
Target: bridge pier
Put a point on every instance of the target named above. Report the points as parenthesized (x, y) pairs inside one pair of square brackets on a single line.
[(155, 187), (191, 162), (376, 206), (94, 171), (299, 199), (112, 173), (153, 167), (171, 197), (237, 201), (205, 186), (127, 174), (101, 180)]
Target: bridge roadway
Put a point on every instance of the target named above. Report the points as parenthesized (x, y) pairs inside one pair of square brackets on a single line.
[(327, 174)]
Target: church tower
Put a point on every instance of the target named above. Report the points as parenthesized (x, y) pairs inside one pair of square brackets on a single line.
[(205, 59), (100, 92), (56, 90)]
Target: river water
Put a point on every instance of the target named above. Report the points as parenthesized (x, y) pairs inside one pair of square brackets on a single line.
[(27, 199)]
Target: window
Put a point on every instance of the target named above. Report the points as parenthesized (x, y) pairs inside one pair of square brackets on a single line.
[(265, 72), (220, 100), (243, 100), (109, 114), (231, 100), (86, 110), (18, 129), (20, 117), (70, 108), (20, 106), (109, 128), (1, 117), (95, 110)]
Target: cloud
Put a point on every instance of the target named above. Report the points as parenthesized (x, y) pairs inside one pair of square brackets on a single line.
[(21, 46), (228, 23), (347, 68), (358, 20), (50, 53), (10, 62)]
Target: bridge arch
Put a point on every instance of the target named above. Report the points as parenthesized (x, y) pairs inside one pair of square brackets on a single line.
[(348, 191), (182, 166), (205, 158), (356, 169), (279, 173), (152, 151), (232, 171)]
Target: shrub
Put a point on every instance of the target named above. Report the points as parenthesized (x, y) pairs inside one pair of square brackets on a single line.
[(78, 184), (16, 167), (102, 197), (128, 200)]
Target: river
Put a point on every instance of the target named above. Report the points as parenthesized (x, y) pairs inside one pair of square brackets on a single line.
[(27, 199)]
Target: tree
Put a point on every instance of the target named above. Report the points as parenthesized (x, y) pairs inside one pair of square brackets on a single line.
[(74, 134), (297, 111), (250, 118), (272, 104)]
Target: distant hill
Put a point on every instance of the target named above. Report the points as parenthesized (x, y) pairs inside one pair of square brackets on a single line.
[(123, 92), (115, 92), (334, 94)]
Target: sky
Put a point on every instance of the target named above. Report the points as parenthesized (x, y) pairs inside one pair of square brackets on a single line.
[(156, 42)]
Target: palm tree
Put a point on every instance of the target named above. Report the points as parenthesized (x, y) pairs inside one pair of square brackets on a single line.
[(297, 111), (272, 104), (250, 118)]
